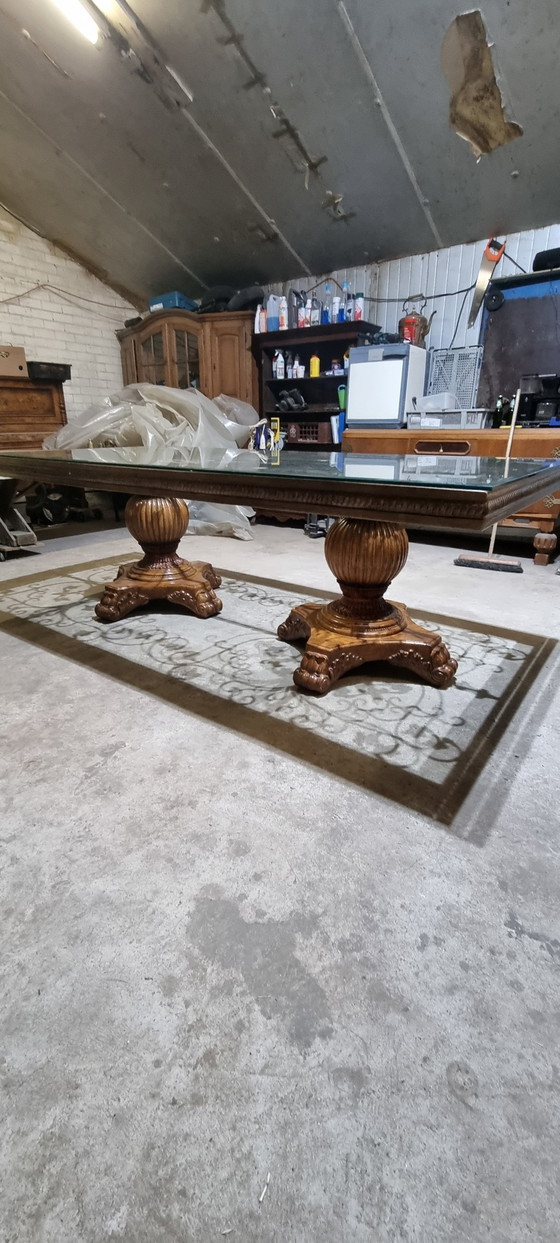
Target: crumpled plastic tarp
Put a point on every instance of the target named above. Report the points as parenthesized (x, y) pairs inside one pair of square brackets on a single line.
[(162, 419)]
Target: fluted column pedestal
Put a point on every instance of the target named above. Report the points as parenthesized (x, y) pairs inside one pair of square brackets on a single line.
[(361, 625), (158, 523)]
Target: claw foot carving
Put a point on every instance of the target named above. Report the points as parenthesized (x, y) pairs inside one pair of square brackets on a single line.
[(293, 628), (116, 604), (435, 665), (318, 670), (202, 603)]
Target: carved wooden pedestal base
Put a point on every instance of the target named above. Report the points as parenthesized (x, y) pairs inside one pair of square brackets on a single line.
[(361, 625), (158, 525)]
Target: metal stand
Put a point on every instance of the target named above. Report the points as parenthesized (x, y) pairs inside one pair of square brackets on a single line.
[(15, 532), (316, 527)]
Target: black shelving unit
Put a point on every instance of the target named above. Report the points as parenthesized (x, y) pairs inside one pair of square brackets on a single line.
[(309, 428)]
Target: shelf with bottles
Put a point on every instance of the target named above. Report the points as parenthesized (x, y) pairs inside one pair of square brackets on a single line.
[(341, 377), (323, 306), (317, 411), (350, 329)]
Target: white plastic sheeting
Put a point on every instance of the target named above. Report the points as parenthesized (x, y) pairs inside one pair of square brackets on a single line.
[(166, 420)]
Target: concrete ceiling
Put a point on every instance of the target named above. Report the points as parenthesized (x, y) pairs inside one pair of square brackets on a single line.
[(230, 141)]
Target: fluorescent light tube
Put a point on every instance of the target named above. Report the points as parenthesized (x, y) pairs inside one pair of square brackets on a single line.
[(80, 17)]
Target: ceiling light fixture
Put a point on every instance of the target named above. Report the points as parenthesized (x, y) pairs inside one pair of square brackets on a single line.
[(78, 15)]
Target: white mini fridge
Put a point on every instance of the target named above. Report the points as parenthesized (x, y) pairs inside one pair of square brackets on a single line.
[(384, 382)]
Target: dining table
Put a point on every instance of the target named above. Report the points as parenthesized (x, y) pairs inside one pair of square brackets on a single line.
[(371, 497)]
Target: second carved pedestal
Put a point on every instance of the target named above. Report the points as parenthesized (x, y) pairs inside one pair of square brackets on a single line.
[(361, 625)]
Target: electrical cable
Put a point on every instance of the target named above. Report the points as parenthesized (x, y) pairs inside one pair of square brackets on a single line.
[(65, 293), (466, 292), (430, 297), (454, 293), (515, 263)]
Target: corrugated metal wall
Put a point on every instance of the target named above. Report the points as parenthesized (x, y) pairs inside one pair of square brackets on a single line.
[(441, 271), (446, 270), (362, 280)]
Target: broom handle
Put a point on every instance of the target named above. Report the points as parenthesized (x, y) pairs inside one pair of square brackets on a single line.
[(512, 428), (508, 451)]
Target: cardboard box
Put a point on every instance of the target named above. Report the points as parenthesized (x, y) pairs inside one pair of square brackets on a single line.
[(12, 361)]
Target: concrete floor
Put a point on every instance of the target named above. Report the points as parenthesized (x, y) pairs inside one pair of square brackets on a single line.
[(220, 961)]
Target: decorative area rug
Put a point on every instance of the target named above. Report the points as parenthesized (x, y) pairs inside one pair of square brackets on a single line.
[(378, 726)]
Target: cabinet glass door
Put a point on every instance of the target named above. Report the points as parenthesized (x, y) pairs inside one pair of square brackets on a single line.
[(187, 358), (152, 359)]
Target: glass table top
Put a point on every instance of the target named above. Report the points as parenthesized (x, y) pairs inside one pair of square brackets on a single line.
[(437, 470)]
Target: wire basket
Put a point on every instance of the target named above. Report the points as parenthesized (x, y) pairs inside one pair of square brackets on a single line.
[(456, 371)]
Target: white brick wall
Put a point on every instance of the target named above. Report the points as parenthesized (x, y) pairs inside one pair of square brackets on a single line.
[(58, 328)]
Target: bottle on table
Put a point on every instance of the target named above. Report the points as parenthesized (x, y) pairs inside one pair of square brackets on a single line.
[(326, 308)]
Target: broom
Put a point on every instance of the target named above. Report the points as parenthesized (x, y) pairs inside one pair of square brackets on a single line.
[(491, 560)]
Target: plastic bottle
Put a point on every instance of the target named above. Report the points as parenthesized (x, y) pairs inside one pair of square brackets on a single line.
[(262, 319), (343, 301), (314, 366), (280, 366), (289, 366), (315, 311), (295, 369), (272, 311), (349, 309), (335, 309), (258, 317), (326, 308), (293, 303), (283, 314), (301, 312), (307, 314), (275, 365), (359, 306)]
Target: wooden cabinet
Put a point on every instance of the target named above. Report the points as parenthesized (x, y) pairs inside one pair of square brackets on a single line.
[(208, 352), (29, 411), (541, 517)]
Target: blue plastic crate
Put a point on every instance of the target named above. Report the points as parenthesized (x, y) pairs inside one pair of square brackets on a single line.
[(167, 301)]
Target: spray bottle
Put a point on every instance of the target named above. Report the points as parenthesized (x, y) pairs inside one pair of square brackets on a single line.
[(349, 304)]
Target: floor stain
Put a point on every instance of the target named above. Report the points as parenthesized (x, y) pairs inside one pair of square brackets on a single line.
[(264, 954), (515, 929), (462, 1082)]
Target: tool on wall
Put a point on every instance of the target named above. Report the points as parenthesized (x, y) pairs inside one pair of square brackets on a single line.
[(493, 252)]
